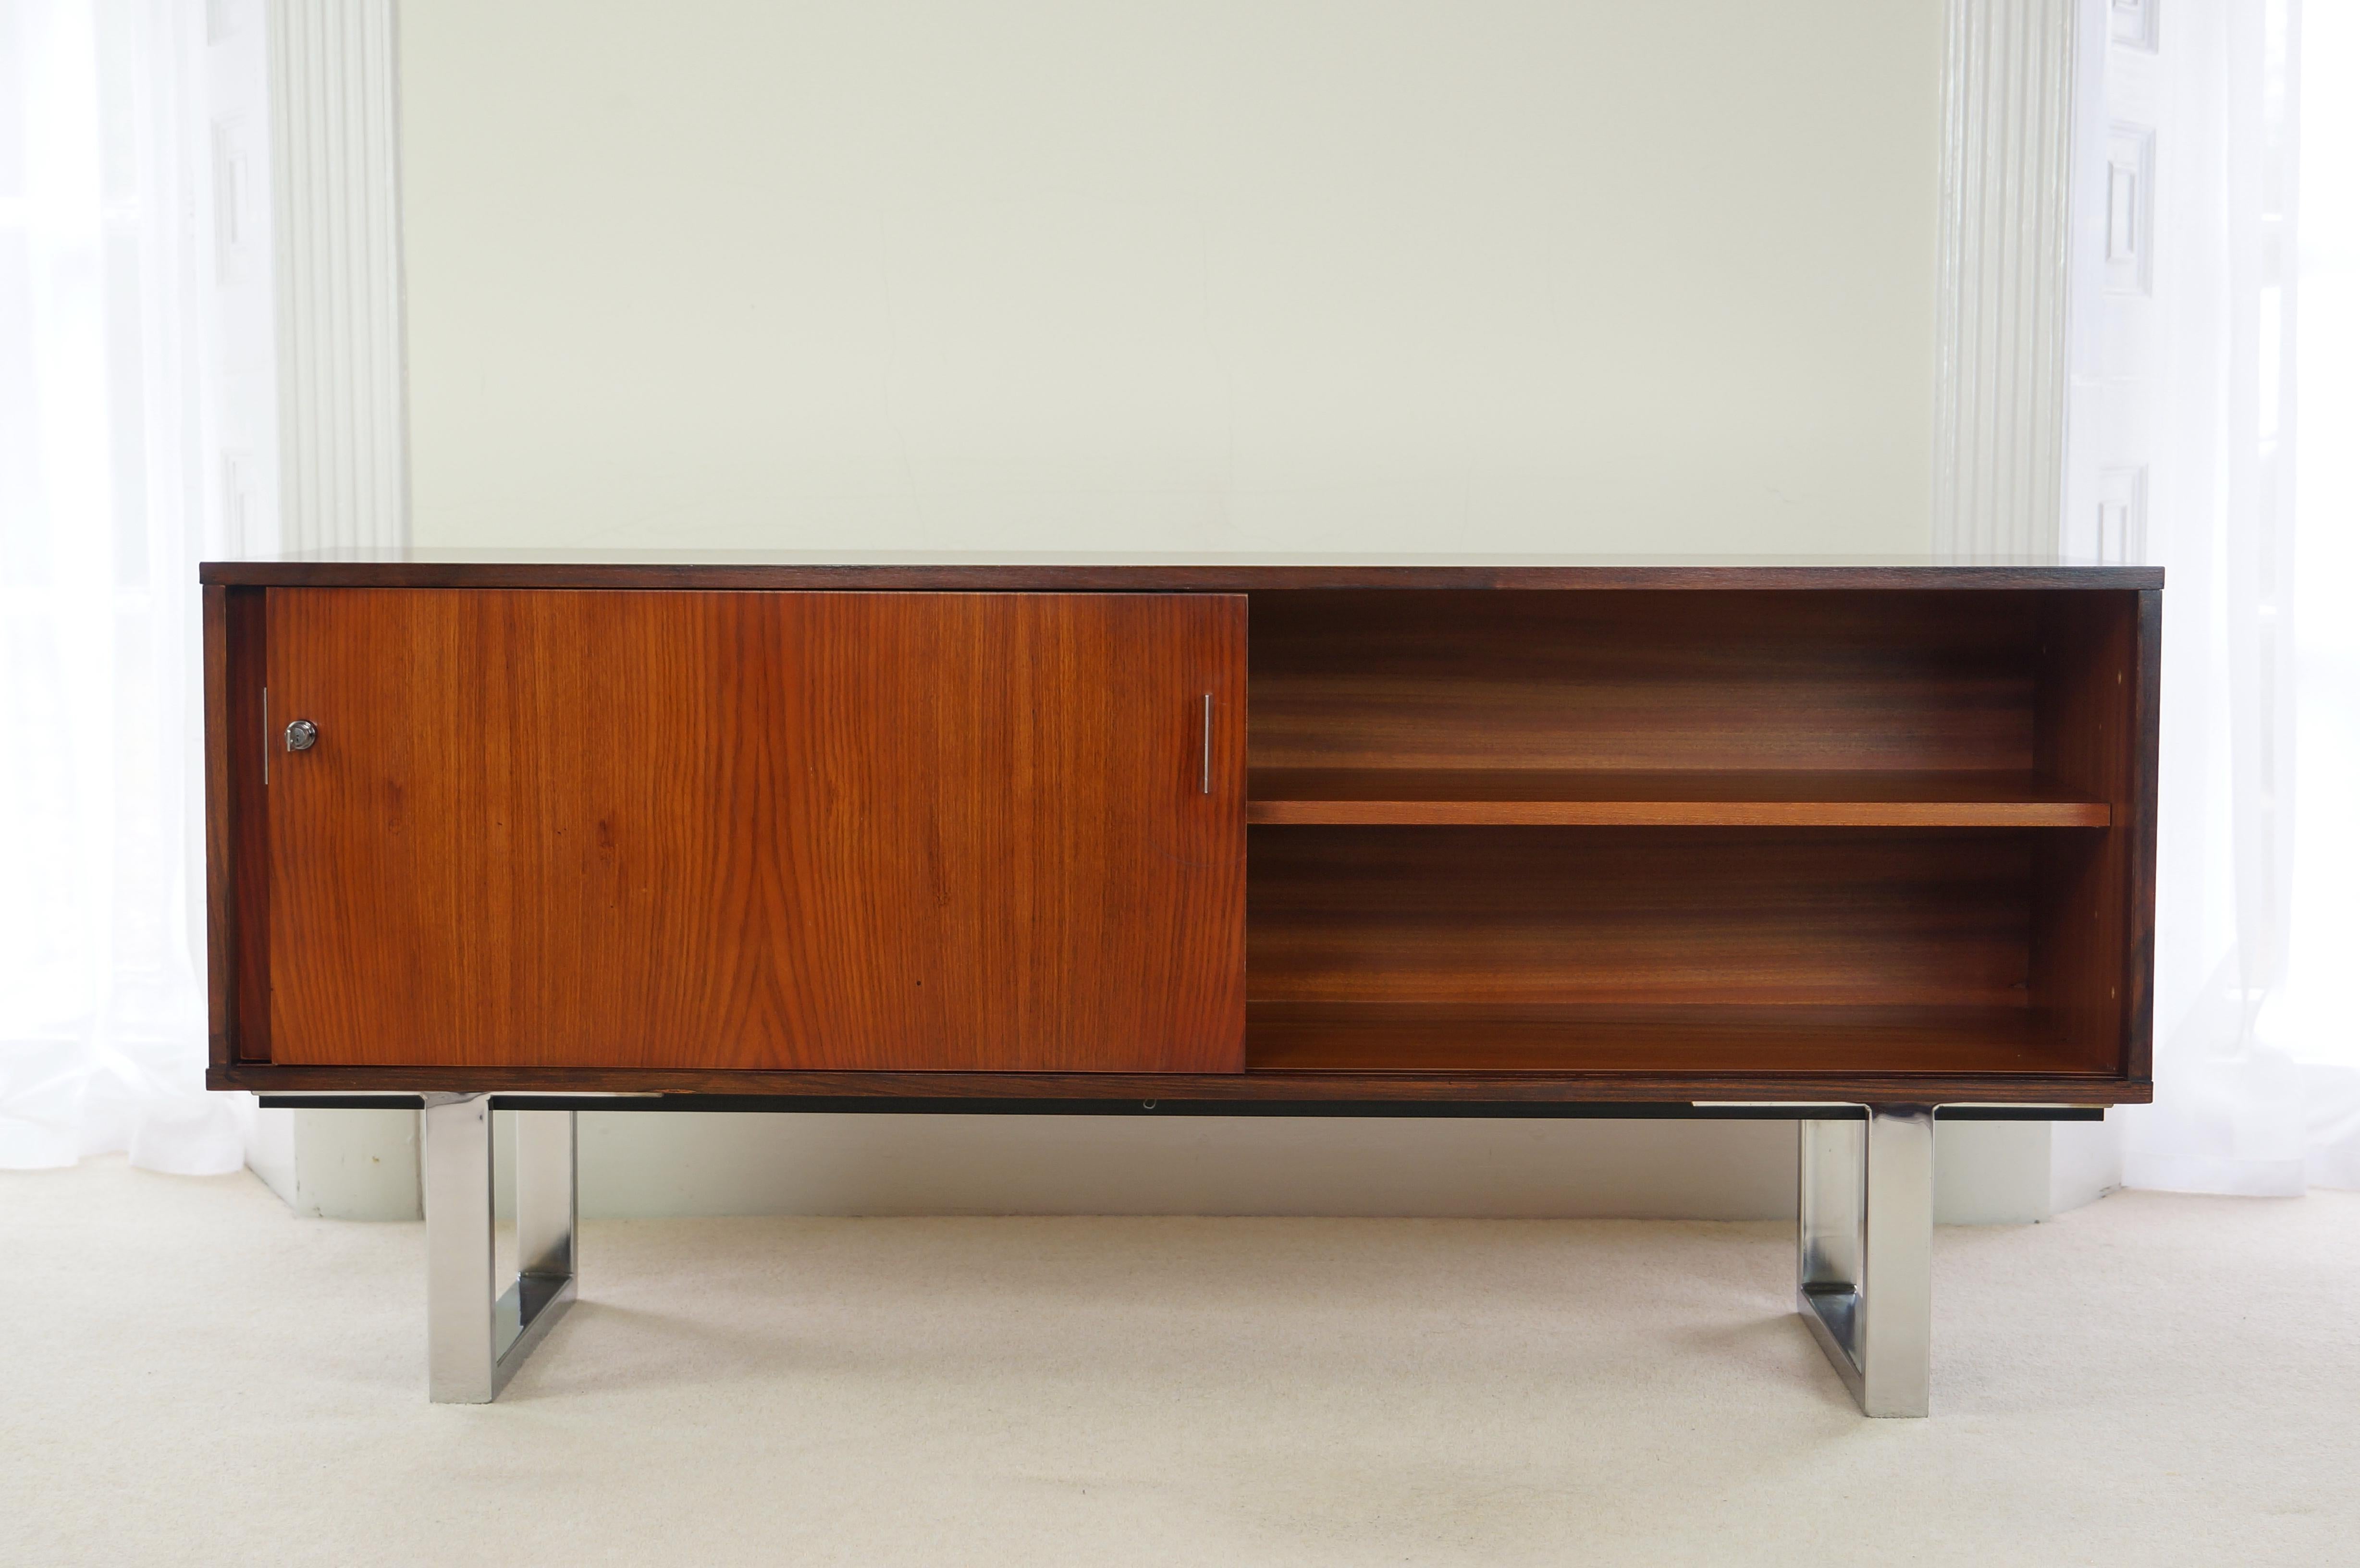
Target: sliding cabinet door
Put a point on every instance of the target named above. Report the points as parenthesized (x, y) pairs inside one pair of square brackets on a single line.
[(758, 830)]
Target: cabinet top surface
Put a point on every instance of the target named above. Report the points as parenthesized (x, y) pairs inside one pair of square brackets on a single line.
[(421, 567)]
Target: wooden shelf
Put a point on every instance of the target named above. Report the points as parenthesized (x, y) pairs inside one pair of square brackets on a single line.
[(1362, 1037), (1696, 797)]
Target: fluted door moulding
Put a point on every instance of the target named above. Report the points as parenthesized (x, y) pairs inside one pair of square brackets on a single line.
[(335, 165), (2009, 134)]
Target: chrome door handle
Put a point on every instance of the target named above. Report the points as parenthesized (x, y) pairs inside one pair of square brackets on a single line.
[(302, 735), (1205, 756)]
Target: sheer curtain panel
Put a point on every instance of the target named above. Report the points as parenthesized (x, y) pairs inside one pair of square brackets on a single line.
[(2309, 1019), (104, 234), (2257, 1079)]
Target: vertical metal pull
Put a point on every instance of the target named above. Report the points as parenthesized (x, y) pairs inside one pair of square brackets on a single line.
[(266, 737), (1204, 760)]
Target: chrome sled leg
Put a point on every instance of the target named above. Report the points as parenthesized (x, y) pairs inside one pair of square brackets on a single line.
[(1865, 1255), (475, 1339)]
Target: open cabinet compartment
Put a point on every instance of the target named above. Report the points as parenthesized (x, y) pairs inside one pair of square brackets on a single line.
[(1742, 832)]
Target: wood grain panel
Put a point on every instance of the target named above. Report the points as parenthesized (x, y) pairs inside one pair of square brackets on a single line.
[(1430, 1037), (1701, 798), (1444, 962), (221, 919), (2092, 896), (758, 831), (1400, 1089), (244, 872), (756, 570), (2136, 821), (1645, 681), (1638, 917)]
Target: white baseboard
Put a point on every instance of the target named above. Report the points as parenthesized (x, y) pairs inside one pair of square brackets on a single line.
[(339, 1165), (2085, 1163)]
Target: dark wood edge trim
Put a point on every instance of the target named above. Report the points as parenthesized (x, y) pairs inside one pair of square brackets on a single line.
[(243, 806), (1292, 813), (2086, 1089), (221, 860), (1157, 579), (2139, 823)]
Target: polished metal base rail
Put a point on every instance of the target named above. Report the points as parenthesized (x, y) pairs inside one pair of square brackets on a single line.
[(1865, 1251), (1865, 1211), (476, 1340), (969, 1105)]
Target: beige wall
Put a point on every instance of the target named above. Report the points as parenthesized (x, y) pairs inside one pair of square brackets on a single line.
[(1562, 274), (1248, 275)]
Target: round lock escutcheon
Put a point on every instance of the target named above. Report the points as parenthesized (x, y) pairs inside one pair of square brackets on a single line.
[(302, 735)]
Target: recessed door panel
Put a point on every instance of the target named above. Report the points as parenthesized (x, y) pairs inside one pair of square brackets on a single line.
[(758, 830)]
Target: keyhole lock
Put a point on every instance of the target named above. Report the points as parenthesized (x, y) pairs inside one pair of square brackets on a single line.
[(302, 735)]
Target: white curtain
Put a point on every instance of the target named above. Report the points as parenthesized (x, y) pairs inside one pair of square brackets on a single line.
[(103, 489), (2310, 1017), (2258, 1080)]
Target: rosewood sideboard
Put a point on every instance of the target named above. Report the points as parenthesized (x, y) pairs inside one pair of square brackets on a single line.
[(1849, 845)]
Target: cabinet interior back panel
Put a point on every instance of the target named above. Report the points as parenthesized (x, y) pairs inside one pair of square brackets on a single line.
[(1475, 917), (1646, 682)]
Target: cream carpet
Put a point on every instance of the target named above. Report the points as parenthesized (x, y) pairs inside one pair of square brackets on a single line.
[(194, 1375)]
